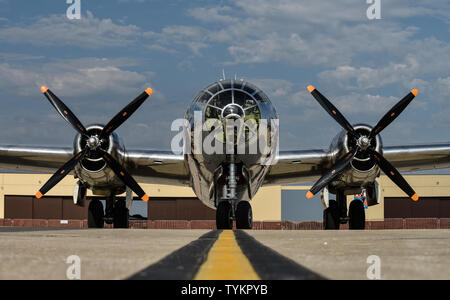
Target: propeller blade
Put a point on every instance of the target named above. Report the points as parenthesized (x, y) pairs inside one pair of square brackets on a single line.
[(394, 175), (125, 113), (61, 173), (393, 113), (125, 176), (331, 174), (64, 111), (332, 111)]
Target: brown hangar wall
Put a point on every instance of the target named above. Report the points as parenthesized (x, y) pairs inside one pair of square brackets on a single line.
[(180, 203)]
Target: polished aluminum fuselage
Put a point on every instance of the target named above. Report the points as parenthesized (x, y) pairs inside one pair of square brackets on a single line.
[(209, 171)]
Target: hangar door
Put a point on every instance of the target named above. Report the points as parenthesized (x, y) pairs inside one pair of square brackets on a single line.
[(179, 209), (62, 208), (48, 208), (427, 207)]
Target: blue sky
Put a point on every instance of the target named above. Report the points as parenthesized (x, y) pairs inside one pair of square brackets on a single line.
[(119, 47)]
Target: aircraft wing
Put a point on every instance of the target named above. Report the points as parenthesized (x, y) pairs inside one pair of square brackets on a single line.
[(305, 166), (298, 166), (164, 167), (419, 157), (34, 159), (159, 167), (150, 166)]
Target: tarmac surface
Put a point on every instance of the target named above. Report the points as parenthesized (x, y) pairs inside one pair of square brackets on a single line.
[(180, 254)]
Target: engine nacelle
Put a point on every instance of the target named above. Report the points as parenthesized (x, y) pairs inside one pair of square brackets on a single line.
[(93, 171), (363, 169)]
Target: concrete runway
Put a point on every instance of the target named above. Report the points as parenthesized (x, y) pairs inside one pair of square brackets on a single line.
[(121, 254)]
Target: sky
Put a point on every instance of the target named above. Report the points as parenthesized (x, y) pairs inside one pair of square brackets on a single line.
[(118, 48)]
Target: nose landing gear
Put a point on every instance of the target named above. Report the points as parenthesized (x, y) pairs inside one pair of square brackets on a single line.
[(230, 208), (225, 215)]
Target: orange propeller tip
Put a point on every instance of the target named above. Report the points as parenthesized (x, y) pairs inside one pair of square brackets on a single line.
[(149, 91), (309, 195), (39, 195), (415, 197), (44, 89), (415, 92), (145, 198), (311, 88)]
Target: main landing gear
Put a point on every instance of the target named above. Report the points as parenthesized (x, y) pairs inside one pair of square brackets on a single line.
[(336, 214), (116, 213), (225, 215)]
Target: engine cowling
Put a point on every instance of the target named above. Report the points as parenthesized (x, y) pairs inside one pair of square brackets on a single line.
[(363, 155), (93, 171), (363, 170)]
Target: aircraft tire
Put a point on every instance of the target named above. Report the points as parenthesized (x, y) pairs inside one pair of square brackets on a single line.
[(331, 216), (244, 215), (224, 215), (357, 215), (95, 214), (121, 215)]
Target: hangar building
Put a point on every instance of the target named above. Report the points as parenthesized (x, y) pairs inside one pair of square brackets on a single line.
[(272, 203)]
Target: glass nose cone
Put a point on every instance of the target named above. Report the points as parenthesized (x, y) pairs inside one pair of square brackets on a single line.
[(233, 111)]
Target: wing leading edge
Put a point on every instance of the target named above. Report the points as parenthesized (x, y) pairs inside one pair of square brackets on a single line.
[(33, 159), (164, 167), (304, 166), (149, 166)]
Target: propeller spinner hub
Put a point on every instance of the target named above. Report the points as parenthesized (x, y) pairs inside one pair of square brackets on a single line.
[(363, 142), (93, 142)]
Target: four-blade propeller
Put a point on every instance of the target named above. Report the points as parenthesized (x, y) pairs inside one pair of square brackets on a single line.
[(363, 143), (94, 142)]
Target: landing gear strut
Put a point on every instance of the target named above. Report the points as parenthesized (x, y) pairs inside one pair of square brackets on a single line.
[(230, 207), (341, 200)]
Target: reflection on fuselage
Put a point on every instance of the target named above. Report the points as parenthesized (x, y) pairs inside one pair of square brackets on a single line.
[(234, 112)]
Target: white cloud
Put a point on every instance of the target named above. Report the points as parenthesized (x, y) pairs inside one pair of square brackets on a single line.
[(57, 30), (273, 87), (301, 33), (74, 77), (213, 14)]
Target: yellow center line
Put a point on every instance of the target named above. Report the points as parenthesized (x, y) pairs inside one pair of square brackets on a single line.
[(226, 261)]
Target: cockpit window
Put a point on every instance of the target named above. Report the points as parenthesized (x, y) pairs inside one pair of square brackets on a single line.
[(235, 85), (232, 99), (214, 88), (221, 100), (260, 96), (250, 88), (213, 112), (227, 84), (202, 97)]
